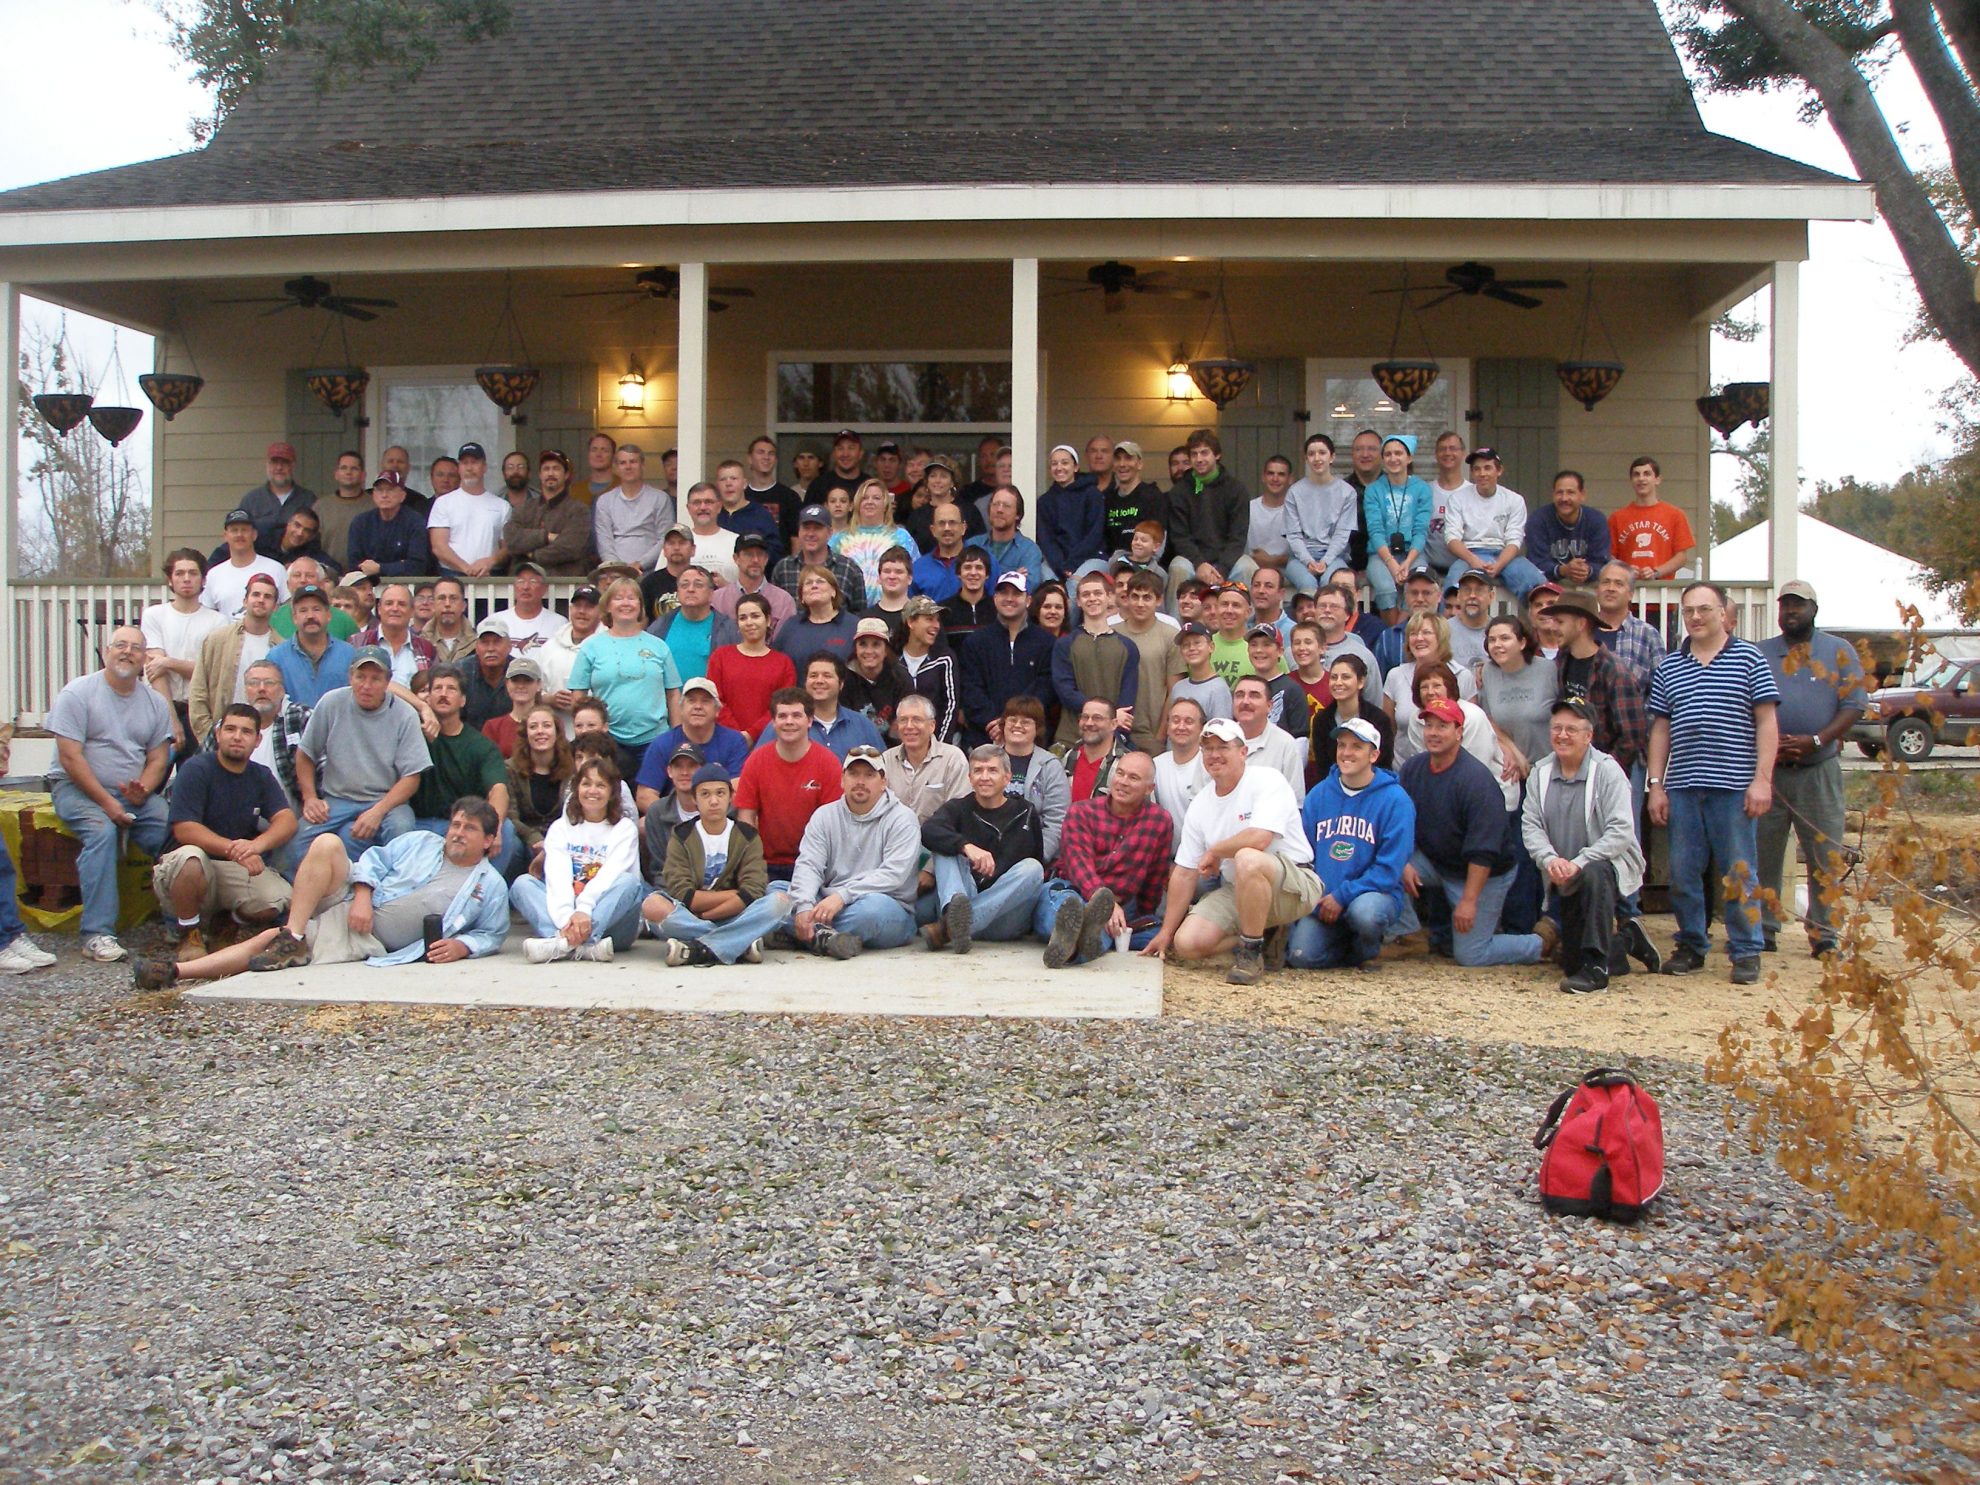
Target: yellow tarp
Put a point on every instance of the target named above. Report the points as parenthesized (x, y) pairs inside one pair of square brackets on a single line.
[(135, 902)]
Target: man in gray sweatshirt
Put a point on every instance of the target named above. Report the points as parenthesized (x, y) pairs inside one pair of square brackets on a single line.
[(853, 887)]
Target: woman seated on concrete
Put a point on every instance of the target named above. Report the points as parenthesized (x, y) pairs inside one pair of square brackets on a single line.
[(590, 876), (716, 905)]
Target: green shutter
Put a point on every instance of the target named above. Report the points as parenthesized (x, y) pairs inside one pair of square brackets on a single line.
[(562, 412), (1520, 398)]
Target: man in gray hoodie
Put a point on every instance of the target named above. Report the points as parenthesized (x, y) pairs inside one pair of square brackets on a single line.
[(853, 887)]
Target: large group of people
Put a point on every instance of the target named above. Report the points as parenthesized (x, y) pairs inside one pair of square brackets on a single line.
[(866, 709)]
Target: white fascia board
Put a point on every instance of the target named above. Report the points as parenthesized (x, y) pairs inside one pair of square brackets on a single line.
[(1842, 201)]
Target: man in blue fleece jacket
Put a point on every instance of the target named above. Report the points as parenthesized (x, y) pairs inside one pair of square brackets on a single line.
[(1363, 829)]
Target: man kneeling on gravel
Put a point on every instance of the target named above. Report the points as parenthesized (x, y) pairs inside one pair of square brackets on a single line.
[(378, 909)]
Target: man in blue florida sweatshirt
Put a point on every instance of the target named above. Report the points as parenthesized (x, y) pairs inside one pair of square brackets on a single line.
[(1363, 829)]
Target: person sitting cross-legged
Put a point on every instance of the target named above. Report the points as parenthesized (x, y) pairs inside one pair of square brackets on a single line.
[(853, 887), (1363, 829), (1579, 826), (229, 816), (717, 904), (988, 849), (1113, 867), (591, 888), (377, 909), (1245, 829)]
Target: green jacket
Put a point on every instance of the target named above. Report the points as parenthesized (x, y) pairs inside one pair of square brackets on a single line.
[(744, 872)]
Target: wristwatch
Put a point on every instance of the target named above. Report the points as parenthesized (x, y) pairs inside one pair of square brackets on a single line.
[(1653, 783)]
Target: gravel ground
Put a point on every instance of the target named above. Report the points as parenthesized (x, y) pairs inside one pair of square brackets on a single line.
[(275, 1243)]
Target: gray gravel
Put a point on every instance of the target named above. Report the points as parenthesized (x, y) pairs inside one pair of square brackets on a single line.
[(264, 1243)]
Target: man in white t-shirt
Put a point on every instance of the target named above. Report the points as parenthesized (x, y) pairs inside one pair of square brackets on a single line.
[(1450, 482), (464, 531), (714, 545), (1179, 775), (173, 631), (1246, 830), (531, 622), (225, 588)]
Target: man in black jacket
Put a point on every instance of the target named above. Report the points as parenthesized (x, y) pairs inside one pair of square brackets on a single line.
[(1209, 515), (989, 850)]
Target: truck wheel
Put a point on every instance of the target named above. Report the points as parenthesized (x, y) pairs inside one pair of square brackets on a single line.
[(1870, 749), (1910, 739)]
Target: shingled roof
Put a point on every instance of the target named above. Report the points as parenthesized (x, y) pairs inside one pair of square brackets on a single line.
[(587, 95)]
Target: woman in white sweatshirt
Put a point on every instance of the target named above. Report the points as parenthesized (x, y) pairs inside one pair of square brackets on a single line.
[(591, 876)]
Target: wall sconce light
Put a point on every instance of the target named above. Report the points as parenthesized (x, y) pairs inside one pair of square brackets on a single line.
[(1181, 388), (632, 387)]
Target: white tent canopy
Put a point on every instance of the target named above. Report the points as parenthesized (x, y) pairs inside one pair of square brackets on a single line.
[(1858, 583)]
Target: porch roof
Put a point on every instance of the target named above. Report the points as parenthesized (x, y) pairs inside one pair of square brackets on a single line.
[(625, 95)]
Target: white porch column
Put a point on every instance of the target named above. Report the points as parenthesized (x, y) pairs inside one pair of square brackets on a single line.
[(10, 496), (1783, 506), (1027, 393), (691, 394)]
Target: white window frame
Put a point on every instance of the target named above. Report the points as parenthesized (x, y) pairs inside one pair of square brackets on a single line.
[(383, 377), (1455, 370), (774, 359)]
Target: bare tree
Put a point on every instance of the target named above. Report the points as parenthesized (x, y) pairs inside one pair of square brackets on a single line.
[(84, 512)]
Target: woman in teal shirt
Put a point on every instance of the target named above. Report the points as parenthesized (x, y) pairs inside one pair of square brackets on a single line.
[(1396, 508), (633, 673)]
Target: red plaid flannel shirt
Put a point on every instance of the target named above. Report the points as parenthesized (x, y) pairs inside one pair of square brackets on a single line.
[(1097, 848)]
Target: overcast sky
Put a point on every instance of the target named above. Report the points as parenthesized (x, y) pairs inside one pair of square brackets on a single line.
[(106, 90)]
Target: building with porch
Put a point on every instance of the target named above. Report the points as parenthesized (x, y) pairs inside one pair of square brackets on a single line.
[(898, 211)]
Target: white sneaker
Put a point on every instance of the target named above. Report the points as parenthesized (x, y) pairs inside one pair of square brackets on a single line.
[(598, 951), (14, 962), (754, 953), (104, 949), (677, 953), (545, 950), (36, 956)]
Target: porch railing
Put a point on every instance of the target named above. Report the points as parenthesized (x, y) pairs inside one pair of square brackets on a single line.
[(59, 627)]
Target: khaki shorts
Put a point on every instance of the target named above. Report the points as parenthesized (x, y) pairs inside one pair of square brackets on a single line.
[(330, 938), (228, 884), (1296, 893)]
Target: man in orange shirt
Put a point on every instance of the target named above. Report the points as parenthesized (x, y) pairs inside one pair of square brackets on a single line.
[(1653, 537)]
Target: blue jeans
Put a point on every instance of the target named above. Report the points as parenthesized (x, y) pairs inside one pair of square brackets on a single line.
[(1381, 586), (508, 857), (1352, 939), (398, 821), (1294, 572), (876, 920), (1484, 945), (1520, 575), (999, 912), (103, 848), (617, 901), (727, 940), (1711, 829), (11, 926), (1057, 892)]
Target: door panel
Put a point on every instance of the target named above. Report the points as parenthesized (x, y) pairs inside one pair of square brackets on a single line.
[(1260, 423), (1521, 402)]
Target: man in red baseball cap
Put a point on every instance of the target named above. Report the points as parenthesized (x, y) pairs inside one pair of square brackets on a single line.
[(271, 503)]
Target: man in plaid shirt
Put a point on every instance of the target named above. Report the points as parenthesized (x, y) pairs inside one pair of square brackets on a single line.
[(814, 532), (1588, 673), (1114, 858), (1634, 642), (282, 721)]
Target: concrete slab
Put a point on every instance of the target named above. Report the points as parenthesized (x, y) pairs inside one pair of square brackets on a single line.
[(993, 980)]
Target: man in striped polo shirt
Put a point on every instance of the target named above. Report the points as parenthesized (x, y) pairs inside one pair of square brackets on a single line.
[(1712, 740)]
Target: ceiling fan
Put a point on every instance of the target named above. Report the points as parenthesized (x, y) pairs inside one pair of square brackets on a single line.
[(665, 283), (309, 292), (1117, 280), (1481, 279)]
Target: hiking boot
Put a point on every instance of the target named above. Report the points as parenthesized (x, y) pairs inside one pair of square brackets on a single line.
[(154, 972), (1684, 961), (1274, 952), (958, 919), (836, 945), (545, 950), (753, 954), (1746, 972), (1585, 981), (1067, 925), (1637, 944), (1248, 964), (192, 945), (933, 938), (1093, 924), (597, 951), (285, 952), (104, 949), (1549, 934)]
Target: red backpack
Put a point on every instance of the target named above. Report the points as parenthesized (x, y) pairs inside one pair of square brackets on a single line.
[(1604, 1156)]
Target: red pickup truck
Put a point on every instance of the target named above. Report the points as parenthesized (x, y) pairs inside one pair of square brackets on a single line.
[(1943, 708)]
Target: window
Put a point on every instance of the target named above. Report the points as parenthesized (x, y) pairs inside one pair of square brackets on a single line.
[(1346, 399), (945, 403), (430, 411)]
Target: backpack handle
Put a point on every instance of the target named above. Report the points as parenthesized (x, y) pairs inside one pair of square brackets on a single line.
[(1550, 1122), (1609, 1077)]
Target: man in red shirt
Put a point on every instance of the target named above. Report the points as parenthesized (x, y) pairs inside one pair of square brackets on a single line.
[(783, 785), (1114, 857), (1652, 536), (1090, 761)]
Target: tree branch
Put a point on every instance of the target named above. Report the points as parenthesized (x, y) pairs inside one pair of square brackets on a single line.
[(1943, 279), (1948, 91), (1960, 20)]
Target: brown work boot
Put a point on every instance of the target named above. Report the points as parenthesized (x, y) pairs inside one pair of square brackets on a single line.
[(191, 945), (1248, 964), (1549, 934), (286, 952)]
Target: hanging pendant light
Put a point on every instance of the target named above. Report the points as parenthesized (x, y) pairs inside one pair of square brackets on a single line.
[(1586, 381), (1736, 403), (114, 423), (508, 383), (172, 392), (63, 411), (337, 387), (1221, 378), (1404, 378)]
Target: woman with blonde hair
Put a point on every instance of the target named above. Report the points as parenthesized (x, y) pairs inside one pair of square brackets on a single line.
[(1426, 641), (632, 672), (872, 533)]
